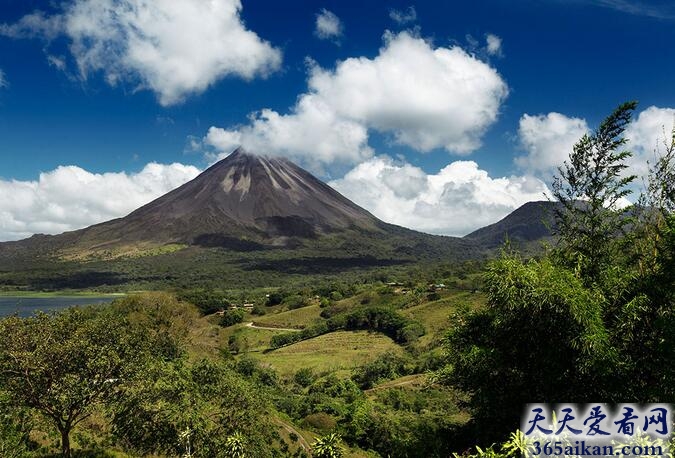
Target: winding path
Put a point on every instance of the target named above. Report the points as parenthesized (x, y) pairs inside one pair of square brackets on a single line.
[(251, 325), (290, 429)]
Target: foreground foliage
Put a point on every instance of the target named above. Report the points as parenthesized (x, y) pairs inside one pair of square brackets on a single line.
[(64, 365), (594, 319)]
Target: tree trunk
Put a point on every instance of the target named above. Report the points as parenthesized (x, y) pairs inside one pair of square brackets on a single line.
[(65, 441)]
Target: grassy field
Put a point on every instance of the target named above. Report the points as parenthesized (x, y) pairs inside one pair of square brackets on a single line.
[(298, 318), (329, 352), (435, 315)]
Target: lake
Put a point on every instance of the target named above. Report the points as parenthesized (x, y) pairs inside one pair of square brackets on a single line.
[(26, 306)]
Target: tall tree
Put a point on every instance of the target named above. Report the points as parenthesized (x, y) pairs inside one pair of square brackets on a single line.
[(63, 365), (585, 321), (591, 187)]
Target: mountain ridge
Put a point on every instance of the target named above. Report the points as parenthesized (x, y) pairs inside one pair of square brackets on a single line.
[(246, 213)]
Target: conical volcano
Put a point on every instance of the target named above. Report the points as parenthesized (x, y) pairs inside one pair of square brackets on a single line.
[(242, 200), (250, 195), (244, 203)]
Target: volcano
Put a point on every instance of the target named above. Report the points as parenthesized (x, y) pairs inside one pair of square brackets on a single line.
[(243, 197), (242, 202)]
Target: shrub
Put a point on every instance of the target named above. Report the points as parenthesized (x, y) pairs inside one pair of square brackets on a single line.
[(234, 344), (207, 301), (434, 296), (232, 317), (320, 421), (304, 377), (386, 367), (296, 302), (411, 332), (274, 299)]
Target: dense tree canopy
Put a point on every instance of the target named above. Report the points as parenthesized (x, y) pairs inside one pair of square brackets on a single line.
[(205, 405), (594, 318), (64, 364)]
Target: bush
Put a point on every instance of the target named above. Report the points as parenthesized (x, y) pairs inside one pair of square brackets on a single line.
[(234, 344), (287, 338), (336, 296), (13, 434), (320, 421), (434, 296), (304, 377), (246, 366), (296, 302), (232, 317), (380, 319), (411, 332), (274, 299), (208, 302), (386, 367), (386, 321)]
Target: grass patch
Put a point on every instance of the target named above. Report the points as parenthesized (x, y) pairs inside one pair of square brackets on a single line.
[(298, 318), (251, 339), (329, 352), (435, 316)]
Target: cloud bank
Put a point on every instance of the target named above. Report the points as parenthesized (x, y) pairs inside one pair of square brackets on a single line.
[(175, 48), (420, 96), (548, 139), (70, 197), (646, 133), (455, 201), (458, 199)]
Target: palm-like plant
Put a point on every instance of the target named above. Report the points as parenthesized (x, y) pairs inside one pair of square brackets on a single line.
[(235, 446), (517, 445), (327, 447)]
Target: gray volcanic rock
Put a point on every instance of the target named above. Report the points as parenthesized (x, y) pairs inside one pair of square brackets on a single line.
[(248, 194)]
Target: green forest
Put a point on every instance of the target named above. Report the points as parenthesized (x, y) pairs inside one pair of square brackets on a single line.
[(433, 359)]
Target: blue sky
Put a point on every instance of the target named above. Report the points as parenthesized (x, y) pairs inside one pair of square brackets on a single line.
[(77, 90)]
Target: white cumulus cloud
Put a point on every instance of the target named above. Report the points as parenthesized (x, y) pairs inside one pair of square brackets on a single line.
[(70, 197), (455, 201), (646, 135), (548, 140), (421, 96), (328, 25), (175, 48)]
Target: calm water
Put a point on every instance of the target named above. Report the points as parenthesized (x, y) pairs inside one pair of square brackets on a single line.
[(27, 306)]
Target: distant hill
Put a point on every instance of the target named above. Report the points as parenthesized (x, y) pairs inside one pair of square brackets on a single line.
[(529, 223)]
